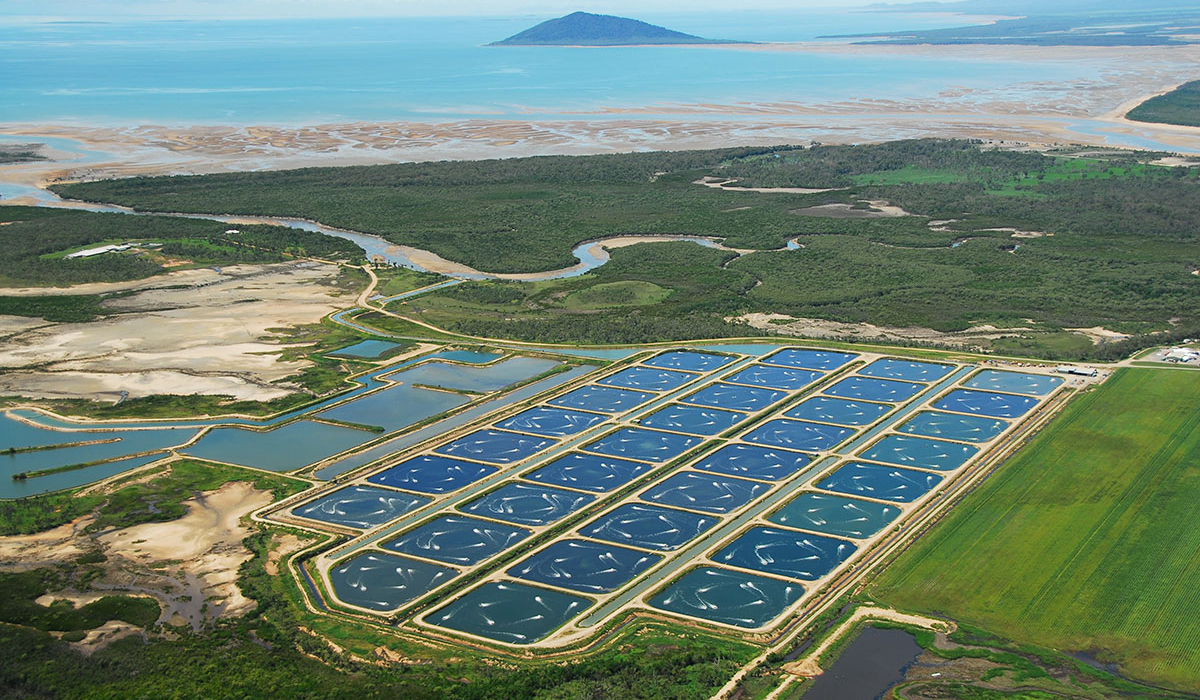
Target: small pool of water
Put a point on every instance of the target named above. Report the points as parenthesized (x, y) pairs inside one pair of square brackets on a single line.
[(366, 350), (875, 661)]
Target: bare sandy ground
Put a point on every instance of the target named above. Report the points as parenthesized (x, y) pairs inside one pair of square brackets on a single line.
[(879, 209), (188, 565), (194, 332), (820, 328), (202, 551)]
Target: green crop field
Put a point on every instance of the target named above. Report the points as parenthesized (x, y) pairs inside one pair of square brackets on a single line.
[(1086, 540)]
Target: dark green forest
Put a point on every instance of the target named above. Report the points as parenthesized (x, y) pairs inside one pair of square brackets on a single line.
[(1106, 240), (35, 238), (1179, 106)]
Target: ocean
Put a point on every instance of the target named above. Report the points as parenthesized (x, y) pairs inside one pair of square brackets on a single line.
[(292, 72)]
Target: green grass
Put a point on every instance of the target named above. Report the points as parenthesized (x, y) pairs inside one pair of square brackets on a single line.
[(1084, 541), (611, 294), (60, 309)]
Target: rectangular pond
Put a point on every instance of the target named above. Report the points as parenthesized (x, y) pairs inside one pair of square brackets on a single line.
[(785, 553), (986, 403), (911, 370), (735, 398), (877, 481), (798, 435), (704, 492), (872, 389), (283, 449), (496, 446), (782, 378), (1014, 382), (689, 360), (385, 582), (395, 407), (110, 445), (432, 474), (648, 379), (753, 462), (840, 411), (513, 613), (586, 567), (802, 358), (649, 527), (20, 488), (696, 420), (604, 399), (526, 504), (552, 422), (728, 597), (953, 426), (457, 540), (367, 349), (359, 507), (835, 515), (909, 451), (646, 445), (588, 472)]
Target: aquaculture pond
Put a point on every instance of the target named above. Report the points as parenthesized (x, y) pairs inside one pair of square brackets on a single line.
[(693, 419), (360, 507), (798, 435), (509, 612), (650, 527), (877, 481), (953, 426), (385, 582), (735, 398), (604, 399), (526, 504), (835, 515), (840, 411), (55, 449), (891, 368), (704, 492), (871, 389), (551, 422), (395, 407), (283, 449), (753, 462), (690, 361), (824, 360), (367, 349), (467, 415), (496, 446), (457, 540), (646, 445), (588, 472), (907, 451), (986, 403), (587, 567), (19, 488), (648, 379), (1014, 382), (785, 553), (728, 597), (432, 474), (782, 378)]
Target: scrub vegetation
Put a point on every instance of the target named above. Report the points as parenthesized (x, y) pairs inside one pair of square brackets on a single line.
[(1101, 240), (154, 500), (36, 241), (1179, 106), (1081, 542)]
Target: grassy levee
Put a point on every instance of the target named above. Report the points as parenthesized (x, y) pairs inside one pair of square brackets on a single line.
[(1084, 541)]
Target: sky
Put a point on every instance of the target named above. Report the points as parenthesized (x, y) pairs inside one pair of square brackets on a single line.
[(214, 9)]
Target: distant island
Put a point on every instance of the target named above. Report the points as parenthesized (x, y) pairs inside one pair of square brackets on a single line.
[(586, 29)]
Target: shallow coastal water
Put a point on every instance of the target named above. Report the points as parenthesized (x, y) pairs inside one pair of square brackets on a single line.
[(323, 71)]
